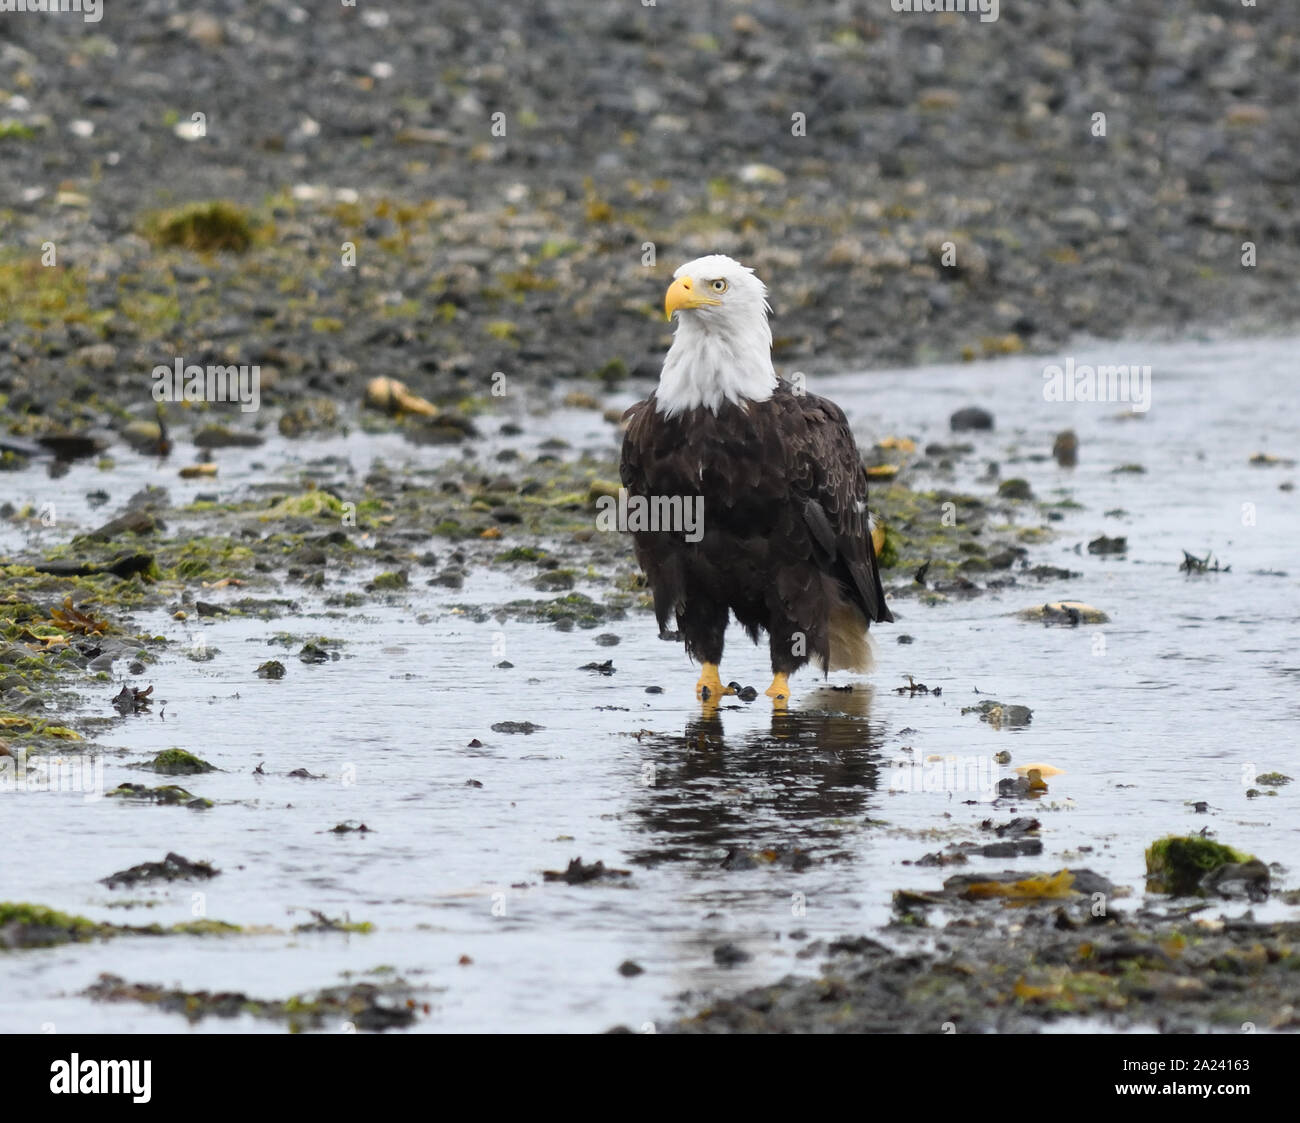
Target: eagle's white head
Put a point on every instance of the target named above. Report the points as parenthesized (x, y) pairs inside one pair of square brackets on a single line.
[(722, 350)]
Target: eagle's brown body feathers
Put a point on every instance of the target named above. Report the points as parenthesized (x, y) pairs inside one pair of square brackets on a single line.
[(786, 545)]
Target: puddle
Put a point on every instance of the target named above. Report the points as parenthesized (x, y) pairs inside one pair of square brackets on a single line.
[(1191, 687)]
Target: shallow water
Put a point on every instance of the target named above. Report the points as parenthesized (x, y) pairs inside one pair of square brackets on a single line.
[(1190, 688)]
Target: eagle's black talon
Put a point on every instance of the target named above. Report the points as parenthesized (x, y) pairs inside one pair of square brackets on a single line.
[(734, 687), (748, 694)]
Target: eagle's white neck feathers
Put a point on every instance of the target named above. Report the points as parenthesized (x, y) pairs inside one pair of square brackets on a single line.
[(720, 352)]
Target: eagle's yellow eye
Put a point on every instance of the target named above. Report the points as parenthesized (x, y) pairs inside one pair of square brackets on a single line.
[(719, 286)]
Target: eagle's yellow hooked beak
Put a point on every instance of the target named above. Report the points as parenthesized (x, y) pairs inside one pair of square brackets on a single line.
[(681, 294)]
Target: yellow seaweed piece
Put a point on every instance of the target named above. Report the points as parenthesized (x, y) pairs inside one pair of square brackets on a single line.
[(1043, 770), (1028, 993), (902, 444), (1043, 888)]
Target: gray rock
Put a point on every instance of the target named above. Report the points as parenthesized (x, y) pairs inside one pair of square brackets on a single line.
[(971, 418)]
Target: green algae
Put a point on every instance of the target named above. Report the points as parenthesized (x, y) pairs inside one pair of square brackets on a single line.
[(178, 762), (27, 925), (167, 795), (24, 925), (522, 554), (308, 504), (1176, 864), (389, 581), (204, 227), (362, 1006)]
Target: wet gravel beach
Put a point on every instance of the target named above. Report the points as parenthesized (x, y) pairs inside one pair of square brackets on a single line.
[(364, 720), (623, 125)]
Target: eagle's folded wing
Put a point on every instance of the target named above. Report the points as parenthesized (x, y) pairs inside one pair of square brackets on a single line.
[(828, 476)]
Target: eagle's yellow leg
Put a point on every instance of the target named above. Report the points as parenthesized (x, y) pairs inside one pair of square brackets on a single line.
[(779, 691), (710, 681)]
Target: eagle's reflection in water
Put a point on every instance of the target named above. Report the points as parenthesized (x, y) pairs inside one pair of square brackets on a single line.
[(794, 783)]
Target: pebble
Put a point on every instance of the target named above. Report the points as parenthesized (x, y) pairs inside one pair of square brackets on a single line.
[(971, 418)]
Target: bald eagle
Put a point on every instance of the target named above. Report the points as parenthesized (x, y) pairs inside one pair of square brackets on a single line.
[(786, 542)]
